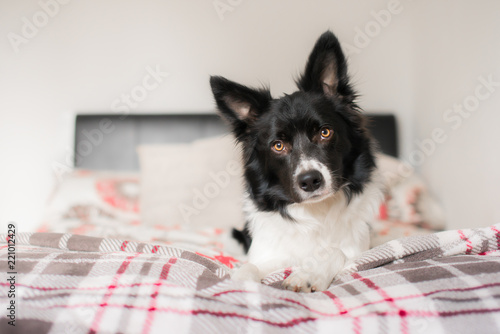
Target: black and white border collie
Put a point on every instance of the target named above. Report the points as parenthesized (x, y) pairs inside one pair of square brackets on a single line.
[(310, 172)]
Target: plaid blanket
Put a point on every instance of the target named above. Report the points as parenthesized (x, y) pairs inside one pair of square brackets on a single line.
[(446, 282)]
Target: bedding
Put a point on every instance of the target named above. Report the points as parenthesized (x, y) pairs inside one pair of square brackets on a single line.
[(106, 204), (95, 267), (66, 283)]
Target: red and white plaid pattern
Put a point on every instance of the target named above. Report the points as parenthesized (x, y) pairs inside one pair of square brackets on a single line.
[(446, 282)]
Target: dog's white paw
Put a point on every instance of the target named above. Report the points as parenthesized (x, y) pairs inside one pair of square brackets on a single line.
[(304, 281), (247, 272)]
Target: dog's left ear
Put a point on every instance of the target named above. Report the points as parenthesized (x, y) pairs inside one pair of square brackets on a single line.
[(326, 69)]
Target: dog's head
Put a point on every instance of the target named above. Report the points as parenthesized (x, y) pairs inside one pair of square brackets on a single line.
[(305, 146)]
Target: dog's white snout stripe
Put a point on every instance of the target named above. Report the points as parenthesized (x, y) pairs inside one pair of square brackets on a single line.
[(307, 165)]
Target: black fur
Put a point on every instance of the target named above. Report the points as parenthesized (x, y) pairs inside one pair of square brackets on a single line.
[(243, 237), (325, 98)]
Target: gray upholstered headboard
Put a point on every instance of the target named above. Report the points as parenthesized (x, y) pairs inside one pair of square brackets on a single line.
[(109, 141)]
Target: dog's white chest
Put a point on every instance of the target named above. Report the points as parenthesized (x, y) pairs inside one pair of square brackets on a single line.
[(320, 230)]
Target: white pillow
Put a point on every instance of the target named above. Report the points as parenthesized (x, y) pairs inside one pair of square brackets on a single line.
[(392, 169), (198, 184)]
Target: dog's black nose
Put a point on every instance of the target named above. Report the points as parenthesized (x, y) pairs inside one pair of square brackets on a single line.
[(310, 181)]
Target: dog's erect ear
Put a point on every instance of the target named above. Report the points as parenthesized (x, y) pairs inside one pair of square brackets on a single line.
[(326, 69), (238, 104)]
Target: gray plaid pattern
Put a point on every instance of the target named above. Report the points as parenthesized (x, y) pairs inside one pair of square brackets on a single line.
[(447, 282)]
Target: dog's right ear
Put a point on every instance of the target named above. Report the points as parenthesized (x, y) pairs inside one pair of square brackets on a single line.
[(238, 104)]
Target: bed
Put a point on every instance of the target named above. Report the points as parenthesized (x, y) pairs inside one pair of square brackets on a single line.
[(100, 264)]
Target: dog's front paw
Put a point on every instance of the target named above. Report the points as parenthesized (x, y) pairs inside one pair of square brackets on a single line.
[(247, 272), (304, 281)]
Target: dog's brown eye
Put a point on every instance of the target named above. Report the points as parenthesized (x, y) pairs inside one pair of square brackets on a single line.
[(326, 133), (278, 146)]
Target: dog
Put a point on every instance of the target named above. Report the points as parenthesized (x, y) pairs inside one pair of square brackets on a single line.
[(309, 169)]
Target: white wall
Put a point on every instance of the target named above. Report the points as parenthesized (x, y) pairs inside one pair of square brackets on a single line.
[(91, 52), (455, 44)]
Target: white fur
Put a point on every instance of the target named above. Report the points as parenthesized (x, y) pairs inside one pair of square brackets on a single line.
[(325, 236), (306, 165)]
